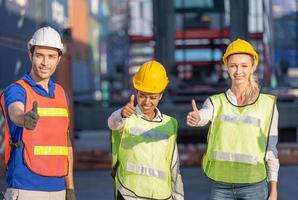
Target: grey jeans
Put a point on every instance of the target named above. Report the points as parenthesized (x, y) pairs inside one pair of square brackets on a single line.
[(17, 194)]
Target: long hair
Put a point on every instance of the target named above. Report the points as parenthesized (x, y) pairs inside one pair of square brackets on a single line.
[(253, 89)]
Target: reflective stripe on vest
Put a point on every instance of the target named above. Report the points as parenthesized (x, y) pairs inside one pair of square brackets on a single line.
[(52, 112), (242, 119), (234, 157), (145, 156), (237, 140), (147, 171), (50, 150)]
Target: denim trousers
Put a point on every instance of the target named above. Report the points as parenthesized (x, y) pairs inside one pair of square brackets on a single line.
[(257, 191)]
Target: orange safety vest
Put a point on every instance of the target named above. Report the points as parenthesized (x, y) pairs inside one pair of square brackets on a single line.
[(45, 147)]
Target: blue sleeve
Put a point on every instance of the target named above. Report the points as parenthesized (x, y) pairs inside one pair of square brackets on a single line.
[(14, 93)]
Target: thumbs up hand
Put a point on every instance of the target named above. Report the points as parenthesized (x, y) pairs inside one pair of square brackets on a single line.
[(129, 108), (31, 117), (193, 117)]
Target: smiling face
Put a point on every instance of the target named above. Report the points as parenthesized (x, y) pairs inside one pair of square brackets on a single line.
[(148, 102), (44, 62), (240, 68)]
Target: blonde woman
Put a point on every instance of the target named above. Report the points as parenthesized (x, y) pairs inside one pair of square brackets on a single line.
[(241, 153)]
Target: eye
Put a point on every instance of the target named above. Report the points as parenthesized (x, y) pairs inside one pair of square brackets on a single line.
[(52, 56), (38, 55), (141, 96), (153, 98)]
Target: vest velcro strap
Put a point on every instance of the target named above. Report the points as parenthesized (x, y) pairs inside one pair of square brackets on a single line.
[(147, 171), (240, 118), (16, 145), (51, 150), (234, 157), (52, 112)]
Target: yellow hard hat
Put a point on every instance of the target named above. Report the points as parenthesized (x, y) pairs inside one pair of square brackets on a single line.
[(240, 46), (151, 78)]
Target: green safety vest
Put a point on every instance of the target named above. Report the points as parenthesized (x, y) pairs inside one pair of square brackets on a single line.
[(237, 140), (143, 153)]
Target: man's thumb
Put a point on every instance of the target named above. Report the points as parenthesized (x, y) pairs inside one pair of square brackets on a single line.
[(132, 100), (194, 105), (35, 105)]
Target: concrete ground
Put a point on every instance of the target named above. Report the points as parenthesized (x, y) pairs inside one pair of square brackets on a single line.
[(98, 184)]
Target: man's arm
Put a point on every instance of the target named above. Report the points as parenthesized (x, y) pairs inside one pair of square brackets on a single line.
[(27, 120), (69, 178), (69, 181), (16, 113)]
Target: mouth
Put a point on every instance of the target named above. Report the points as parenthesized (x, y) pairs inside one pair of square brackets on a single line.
[(43, 70), (238, 77), (146, 107)]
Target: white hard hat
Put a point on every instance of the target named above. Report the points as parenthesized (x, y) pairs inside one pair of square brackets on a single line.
[(46, 36)]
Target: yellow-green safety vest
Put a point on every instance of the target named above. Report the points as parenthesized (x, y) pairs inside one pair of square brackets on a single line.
[(144, 151), (237, 140)]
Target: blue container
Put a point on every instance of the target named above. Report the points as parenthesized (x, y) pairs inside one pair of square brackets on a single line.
[(18, 20), (13, 64), (56, 14)]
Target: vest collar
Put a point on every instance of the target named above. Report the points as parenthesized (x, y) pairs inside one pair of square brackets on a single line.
[(157, 118)]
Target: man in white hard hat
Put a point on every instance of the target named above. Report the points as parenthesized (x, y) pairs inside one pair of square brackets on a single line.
[(38, 154)]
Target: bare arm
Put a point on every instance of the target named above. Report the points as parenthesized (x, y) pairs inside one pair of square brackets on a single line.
[(273, 190), (69, 178), (16, 113)]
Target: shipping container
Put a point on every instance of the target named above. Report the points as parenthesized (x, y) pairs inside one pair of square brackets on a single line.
[(56, 13), (14, 63), (94, 41), (78, 20), (117, 48), (19, 19), (94, 9), (83, 81)]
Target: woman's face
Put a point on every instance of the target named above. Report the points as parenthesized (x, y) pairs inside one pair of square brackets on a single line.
[(148, 102), (240, 68)]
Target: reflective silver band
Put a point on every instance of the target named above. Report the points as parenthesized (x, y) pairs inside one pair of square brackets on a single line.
[(243, 119), (147, 171), (234, 157)]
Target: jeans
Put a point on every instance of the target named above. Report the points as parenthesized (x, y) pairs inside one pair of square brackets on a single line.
[(18, 194), (258, 191)]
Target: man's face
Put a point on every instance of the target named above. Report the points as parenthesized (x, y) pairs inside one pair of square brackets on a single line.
[(44, 62)]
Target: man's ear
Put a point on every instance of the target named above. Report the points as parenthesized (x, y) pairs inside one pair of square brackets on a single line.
[(30, 55)]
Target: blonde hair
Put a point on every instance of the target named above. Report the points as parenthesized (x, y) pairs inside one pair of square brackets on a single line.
[(253, 89)]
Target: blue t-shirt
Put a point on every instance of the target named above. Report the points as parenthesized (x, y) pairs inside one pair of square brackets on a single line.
[(19, 175)]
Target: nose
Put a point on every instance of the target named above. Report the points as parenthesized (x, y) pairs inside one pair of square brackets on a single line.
[(45, 60), (147, 100), (238, 70)]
